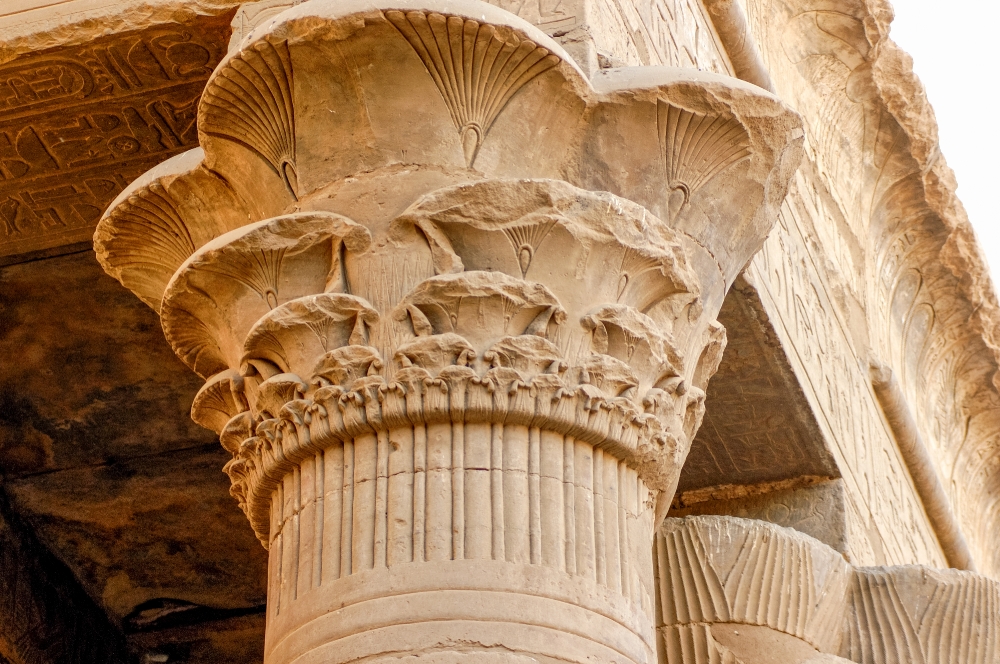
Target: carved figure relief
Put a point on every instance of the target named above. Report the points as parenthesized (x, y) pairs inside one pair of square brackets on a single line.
[(487, 383)]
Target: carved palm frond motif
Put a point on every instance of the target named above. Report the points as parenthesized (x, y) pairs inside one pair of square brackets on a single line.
[(158, 239), (697, 146), (250, 102), (907, 615), (477, 68), (525, 240)]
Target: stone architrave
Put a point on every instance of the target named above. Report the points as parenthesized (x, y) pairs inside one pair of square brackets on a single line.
[(456, 307)]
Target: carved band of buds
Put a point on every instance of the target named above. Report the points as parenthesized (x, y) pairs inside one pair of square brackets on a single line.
[(302, 307)]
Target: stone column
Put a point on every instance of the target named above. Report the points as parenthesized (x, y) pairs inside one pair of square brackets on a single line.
[(740, 591), (455, 305)]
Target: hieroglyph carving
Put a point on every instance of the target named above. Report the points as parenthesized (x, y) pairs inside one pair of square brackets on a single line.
[(885, 520), (450, 348), (77, 128), (897, 248)]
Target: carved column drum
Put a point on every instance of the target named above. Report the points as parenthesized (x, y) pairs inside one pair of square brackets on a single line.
[(455, 305)]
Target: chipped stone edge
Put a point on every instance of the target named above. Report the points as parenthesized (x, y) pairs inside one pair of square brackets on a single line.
[(80, 21)]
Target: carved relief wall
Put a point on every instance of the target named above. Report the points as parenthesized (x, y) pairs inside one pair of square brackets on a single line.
[(884, 516), (78, 125), (674, 33), (881, 245)]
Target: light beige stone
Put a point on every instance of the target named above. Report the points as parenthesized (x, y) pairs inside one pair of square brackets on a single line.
[(742, 591), (873, 259), (917, 614), (457, 315), (749, 590), (455, 285)]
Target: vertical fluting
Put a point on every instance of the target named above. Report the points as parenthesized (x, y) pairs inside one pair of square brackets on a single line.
[(333, 510), (306, 526), (478, 507), (553, 524), (513, 493), (400, 508), (569, 502), (419, 492), (600, 551), (515, 485), (458, 491), (583, 465), (496, 491), (534, 499), (363, 537), (319, 493), (380, 534), (612, 526), (347, 520), (439, 502)]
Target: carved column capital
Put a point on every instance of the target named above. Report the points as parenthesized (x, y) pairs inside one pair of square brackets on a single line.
[(455, 305), (739, 590)]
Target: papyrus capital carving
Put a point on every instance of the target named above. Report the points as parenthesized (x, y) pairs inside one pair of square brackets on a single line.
[(749, 592), (456, 312)]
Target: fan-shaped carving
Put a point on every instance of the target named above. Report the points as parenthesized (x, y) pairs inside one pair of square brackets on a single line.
[(525, 240), (147, 238), (219, 401), (477, 68), (697, 146), (250, 102)]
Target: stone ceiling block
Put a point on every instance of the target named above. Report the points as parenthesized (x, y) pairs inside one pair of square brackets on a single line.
[(80, 123)]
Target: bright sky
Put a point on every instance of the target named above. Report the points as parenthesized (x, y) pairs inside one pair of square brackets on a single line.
[(956, 57)]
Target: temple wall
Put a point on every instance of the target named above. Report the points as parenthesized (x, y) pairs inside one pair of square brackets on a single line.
[(884, 516), (812, 273)]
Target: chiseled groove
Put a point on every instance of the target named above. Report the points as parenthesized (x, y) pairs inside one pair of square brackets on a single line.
[(886, 634), (600, 566), (419, 492), (457, 490), (153, 231), (569, 504), (352, 482), (347, 518), (496, 491), (534, 499), (319, 490), (380, 531)]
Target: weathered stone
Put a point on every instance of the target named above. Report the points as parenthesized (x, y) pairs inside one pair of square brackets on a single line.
[(44, 614), (736, 590), (77, 126), (455, 289), (810, 505), (464, 372)]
